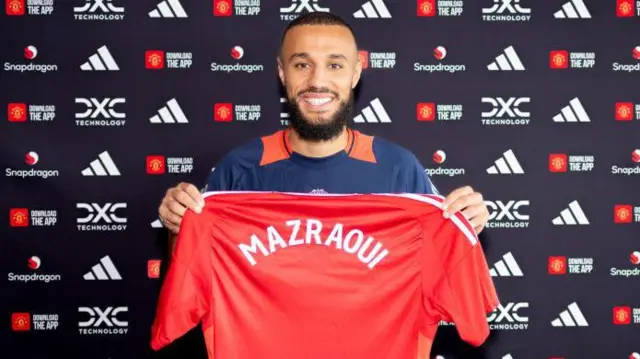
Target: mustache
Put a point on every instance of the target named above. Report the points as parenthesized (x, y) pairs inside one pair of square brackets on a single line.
[(314, 89)]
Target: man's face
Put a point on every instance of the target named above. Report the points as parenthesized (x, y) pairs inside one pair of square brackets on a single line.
[(319, 67)]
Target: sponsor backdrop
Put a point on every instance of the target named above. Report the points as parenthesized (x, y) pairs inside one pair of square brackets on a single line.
[(109, 103)]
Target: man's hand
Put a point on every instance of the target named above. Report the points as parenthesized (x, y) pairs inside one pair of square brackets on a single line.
[(471, 204), (175, 203)]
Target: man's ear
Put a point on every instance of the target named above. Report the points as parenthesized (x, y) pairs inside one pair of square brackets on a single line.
[(280, 70), (357, 73)]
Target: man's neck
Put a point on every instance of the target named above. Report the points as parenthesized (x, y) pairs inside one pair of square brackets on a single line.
[(318, 149)]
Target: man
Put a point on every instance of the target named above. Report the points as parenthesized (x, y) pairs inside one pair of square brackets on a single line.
[(319, 67)]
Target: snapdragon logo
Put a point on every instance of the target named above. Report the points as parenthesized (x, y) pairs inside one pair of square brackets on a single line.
[(439, 157), (30, 54), (237, 53), (34, 264), (629, 171), (634, 258), (629, 67), (439, 53), (627, 273), (31, 159)]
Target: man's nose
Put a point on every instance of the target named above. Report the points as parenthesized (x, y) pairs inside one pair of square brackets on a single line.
[(318, 78)]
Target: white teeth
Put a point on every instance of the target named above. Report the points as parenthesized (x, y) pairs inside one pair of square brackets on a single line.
[(318, 101)]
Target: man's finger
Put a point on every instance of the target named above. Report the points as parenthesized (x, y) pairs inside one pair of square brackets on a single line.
[(170, 218), (477, 216), (464, 202), (473, 212), (477, 225), (194, 193), (186, 200), (170, 221), (175, 207), (459, 204), (455, 194), (456, 206)]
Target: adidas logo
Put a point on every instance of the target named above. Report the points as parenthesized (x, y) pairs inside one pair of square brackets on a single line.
[(100, 61), (507, 164), (571, 216), (171, 113), (168, 9), (105, 270), (573, 9), (506, 267), (103, 166), (370, 112), (571, 317), (507, 61), (156, 224), (368, 10), (508, 356), (577, 115)]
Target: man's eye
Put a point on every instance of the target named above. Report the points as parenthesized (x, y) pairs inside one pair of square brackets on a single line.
[(301, 65), (336, 66)]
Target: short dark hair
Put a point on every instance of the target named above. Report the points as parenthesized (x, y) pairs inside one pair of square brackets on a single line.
[(317, 18)]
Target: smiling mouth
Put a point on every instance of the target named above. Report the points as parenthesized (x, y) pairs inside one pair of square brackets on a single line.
[(317, 101)]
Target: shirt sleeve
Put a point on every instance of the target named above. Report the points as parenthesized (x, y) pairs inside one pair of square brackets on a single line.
[(232, 171), (418, 181), (185, 294), (221, 178), (457, 285)]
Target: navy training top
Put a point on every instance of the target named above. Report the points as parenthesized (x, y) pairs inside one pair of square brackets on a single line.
[(368, 164)]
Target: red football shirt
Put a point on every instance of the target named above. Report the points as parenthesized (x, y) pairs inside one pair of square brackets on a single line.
[(283, 275)]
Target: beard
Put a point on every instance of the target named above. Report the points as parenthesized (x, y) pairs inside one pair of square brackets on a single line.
[(318, 128)]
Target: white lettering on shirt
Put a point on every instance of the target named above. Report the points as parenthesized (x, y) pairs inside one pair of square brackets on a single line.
[(353, 242), (293, 241)]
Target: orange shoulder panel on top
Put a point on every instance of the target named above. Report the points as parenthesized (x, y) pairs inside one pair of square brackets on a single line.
[(362, 148), (273, 148)]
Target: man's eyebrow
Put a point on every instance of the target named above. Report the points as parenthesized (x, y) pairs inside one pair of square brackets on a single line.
[(305, 55), (301, 55), (338, 56)]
